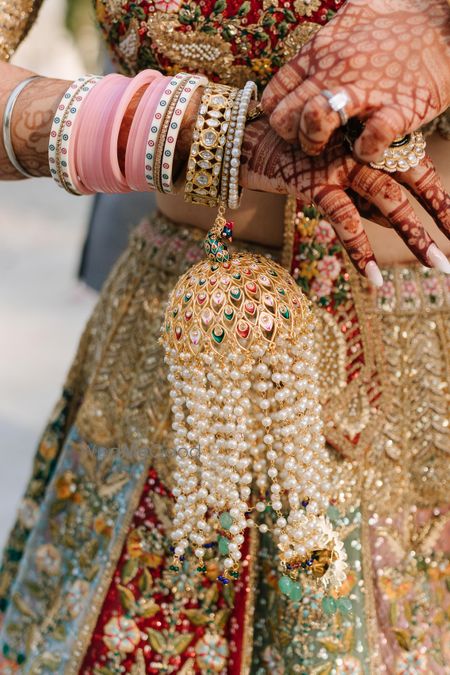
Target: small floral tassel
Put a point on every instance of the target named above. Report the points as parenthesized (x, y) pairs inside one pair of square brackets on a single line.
[(238, 337)]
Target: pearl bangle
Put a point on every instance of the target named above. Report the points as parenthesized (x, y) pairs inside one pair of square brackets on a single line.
[(250, 91), (225, 179)]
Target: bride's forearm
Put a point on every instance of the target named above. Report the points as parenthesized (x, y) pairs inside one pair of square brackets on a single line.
[(31, 121), (33, 115)]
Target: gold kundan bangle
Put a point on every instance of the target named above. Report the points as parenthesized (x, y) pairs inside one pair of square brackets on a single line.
[(207, 149)]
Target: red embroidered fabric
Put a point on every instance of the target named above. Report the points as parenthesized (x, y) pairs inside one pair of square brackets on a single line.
[(229, 40), (158, 621)]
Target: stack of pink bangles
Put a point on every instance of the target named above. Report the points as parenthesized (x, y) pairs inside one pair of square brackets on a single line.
[(83, 146)]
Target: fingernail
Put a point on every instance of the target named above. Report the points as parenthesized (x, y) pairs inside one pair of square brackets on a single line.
[(373, 273), (437, 259)]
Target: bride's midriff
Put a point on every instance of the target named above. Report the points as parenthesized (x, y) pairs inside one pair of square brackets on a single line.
[(260, 217)]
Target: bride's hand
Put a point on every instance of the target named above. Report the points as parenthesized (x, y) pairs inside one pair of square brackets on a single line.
[(270, 164), (391, 58)]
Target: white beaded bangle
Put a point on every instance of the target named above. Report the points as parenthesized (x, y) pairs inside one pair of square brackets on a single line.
[(225, 178), (250, 90), (155, 127), (59, 120), (194, 82), (63, 157)]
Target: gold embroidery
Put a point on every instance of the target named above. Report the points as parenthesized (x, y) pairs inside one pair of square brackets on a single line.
[(398, 457), (306, 7), (299, 37), (193, 51), (369, 595), (84, 636), (129, 44), (16, 19)]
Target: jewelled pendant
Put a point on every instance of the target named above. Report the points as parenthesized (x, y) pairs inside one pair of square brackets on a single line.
[(245, 404)]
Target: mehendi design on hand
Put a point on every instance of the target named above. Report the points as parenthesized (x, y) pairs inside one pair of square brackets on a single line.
[(392, 58), (30, 127), (273, 165)]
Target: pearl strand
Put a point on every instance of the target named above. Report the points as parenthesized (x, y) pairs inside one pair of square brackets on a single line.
[(253, 418), (250, 90)]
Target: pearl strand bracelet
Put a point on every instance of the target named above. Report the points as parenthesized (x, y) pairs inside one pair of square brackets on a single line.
[(225, 178), (250, 91)]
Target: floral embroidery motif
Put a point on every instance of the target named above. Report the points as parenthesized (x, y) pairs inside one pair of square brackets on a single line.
[(44, 464), (226, 40), (317, 263), (121, 635), (79, 520), (171, 620), (306, 7)]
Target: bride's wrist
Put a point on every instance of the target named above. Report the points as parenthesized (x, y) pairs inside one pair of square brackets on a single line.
[(30, 126)]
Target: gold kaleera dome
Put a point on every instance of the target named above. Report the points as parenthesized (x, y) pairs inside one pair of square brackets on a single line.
[(244, 301)]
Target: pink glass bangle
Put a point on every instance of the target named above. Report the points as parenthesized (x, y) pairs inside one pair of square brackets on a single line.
[(114, 178), (93, 130), (137, 140)]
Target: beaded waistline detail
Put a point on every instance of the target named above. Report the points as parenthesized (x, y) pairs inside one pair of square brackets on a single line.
[(413, 288)]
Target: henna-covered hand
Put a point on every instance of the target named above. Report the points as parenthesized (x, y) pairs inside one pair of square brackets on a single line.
[(391, 57), (271, 164), (31, 122)]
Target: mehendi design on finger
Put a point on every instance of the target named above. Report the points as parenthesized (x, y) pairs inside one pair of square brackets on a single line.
[(342, 214), (427, 188), (359, 250), (411, 231)]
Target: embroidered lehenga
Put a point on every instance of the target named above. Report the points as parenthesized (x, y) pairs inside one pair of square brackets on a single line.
[(85, 585)]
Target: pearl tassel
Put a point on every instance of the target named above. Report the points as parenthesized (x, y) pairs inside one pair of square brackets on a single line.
[(246, 418)]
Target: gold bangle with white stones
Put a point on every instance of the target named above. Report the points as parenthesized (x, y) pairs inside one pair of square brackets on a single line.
[(207, 149)]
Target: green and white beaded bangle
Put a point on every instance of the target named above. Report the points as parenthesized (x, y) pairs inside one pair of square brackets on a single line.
[(63, 164), (57, 137), (155, 127), (168, 154), (250, 91)]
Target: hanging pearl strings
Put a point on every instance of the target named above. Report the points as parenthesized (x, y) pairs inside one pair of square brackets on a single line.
[(239, 345)]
